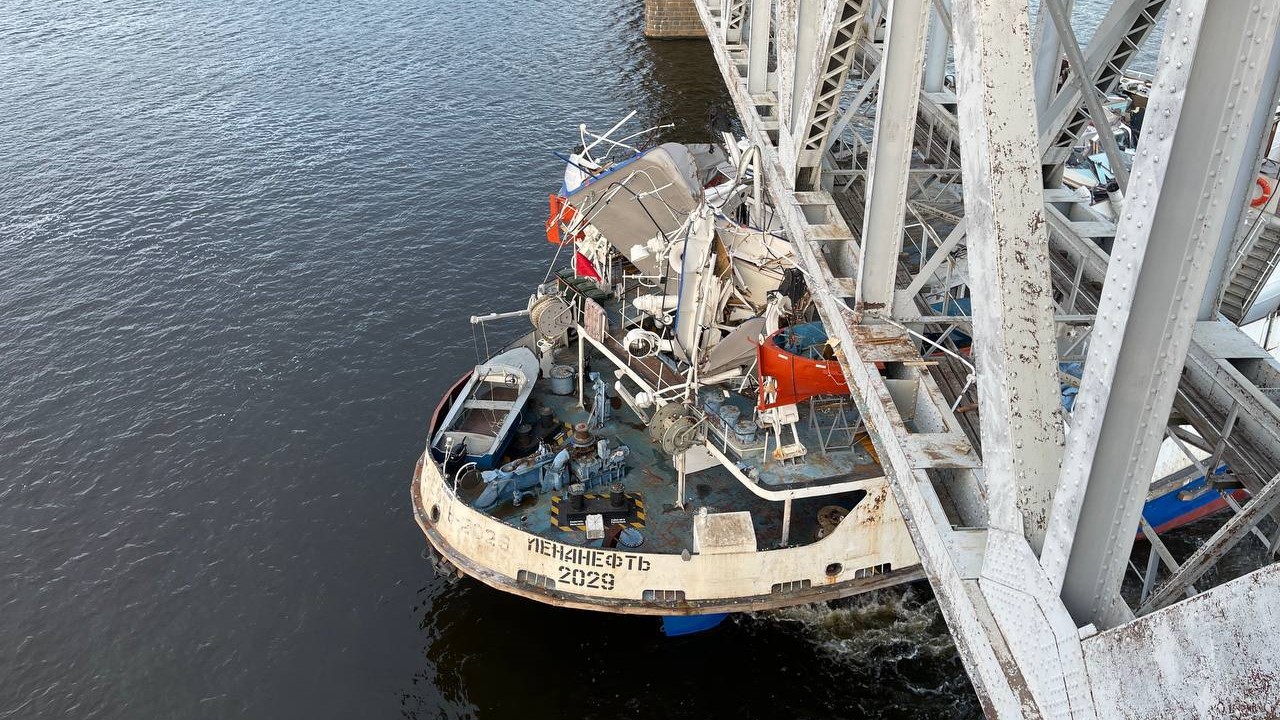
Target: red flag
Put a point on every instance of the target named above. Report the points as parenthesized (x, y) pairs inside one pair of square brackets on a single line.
[(582, 267)]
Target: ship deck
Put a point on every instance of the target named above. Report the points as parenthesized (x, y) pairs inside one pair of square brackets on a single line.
[(668, 528)]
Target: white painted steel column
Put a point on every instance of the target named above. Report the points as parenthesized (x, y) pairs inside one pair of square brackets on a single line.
[(809, 18), (901, 67), (1014, 345), (868, 87), (1048, 59), (1198, 121), (935, 64), (784, 36), (758, 47), (786, 14)]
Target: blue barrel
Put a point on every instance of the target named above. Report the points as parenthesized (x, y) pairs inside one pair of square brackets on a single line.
[(711, 402)]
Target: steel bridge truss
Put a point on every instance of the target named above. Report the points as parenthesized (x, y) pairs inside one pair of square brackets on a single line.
[(905, 192)]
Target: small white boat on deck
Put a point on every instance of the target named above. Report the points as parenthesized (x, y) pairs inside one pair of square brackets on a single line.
[(480, 424)]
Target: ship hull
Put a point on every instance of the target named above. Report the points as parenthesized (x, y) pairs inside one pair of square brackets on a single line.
[(620, 581)]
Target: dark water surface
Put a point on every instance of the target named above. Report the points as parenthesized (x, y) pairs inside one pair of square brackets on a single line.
[(239, 242)]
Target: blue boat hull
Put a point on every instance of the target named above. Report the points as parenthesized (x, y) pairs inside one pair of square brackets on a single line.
[(1184, 504), (677, 625)]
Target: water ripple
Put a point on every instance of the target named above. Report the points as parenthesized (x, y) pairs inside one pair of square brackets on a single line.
[(240, 242)]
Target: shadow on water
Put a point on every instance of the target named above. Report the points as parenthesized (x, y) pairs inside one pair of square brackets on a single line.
[(882, 655)]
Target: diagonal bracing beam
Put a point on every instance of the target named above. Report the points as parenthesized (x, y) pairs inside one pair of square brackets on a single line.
[(735, 18), (826, 38), (939, 256), (1115, 44), (1062, 21), (1208, 554)]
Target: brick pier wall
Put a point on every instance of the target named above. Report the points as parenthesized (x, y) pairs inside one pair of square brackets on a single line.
[(672, 19)]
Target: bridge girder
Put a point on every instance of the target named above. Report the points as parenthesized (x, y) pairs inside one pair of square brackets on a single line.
[(977, 513)]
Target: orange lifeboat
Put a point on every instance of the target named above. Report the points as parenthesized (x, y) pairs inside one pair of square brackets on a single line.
[(792, 367)]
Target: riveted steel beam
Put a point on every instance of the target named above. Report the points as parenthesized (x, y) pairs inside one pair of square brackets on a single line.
[(1200, 112), (1239, 222)]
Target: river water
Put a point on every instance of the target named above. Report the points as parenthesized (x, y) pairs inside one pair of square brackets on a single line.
[(240, 242)]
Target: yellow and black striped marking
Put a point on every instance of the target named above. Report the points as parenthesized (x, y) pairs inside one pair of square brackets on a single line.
[(631, 515)]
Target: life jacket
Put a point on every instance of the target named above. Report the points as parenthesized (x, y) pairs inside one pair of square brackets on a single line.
[(562, 213)]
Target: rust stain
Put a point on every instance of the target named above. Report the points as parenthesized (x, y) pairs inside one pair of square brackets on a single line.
[(865, 441)]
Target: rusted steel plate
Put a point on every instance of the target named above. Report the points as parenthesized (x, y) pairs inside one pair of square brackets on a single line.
[(884, 343), (941, 450)]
